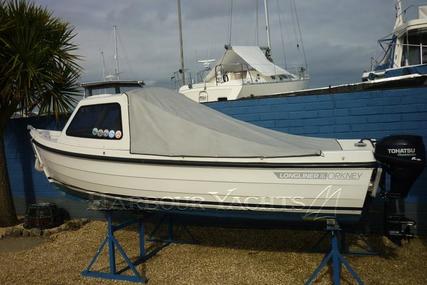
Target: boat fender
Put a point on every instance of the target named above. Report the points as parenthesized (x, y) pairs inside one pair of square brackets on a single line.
[(38, 165), (225, 78)]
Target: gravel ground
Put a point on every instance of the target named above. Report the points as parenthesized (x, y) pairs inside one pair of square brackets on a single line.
[(222, 256)]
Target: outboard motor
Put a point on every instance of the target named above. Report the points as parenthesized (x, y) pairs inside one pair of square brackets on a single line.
[(403, 159)]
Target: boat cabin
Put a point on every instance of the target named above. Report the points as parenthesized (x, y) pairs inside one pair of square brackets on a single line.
[(405, 51), (113, 86)]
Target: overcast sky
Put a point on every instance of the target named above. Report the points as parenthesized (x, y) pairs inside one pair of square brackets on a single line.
[(339, 36)]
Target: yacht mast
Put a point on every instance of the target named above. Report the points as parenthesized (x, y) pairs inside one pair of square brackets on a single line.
[(267, 24), (181, 45), (116, 54), (257, 22), (399, 14), (103, 65)]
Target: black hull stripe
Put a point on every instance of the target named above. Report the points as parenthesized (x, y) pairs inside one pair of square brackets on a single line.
[(84, 193), (209, 163)]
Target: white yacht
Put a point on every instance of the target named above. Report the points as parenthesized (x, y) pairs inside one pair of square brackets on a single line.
[(244, 71), (405, 49)]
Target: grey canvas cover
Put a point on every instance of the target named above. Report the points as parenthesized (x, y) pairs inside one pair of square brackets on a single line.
[(163, 122)]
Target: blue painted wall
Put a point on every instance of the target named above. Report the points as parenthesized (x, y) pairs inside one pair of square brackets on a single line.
[(28, 185), (372, 114)]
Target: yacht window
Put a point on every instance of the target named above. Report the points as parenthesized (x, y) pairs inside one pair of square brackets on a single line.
[(414, 48), (102, 121)]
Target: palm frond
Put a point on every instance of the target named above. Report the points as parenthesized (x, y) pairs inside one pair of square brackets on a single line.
[(38, 64)]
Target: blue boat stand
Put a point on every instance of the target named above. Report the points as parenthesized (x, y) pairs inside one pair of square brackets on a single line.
[(168, 219), (363, 251), (335, 256), (114, 244)]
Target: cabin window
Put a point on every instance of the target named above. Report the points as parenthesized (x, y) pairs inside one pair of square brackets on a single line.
[(102, 121), (414, 49)]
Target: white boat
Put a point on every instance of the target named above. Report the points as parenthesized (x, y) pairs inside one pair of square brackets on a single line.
[(160, 150), (244, 71), (405, 49)]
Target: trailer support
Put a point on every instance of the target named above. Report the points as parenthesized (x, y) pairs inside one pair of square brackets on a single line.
[(113, 245), (334, 256)]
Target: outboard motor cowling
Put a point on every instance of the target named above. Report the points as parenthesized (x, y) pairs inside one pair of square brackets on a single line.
[(403, 157)]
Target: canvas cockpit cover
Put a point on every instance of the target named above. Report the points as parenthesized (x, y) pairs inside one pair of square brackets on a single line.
[(237, 57), (163, 122)]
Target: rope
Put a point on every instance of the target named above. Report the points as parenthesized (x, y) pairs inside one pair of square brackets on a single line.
[(281, 34), (300, 33), (293, 19), (128, 62)]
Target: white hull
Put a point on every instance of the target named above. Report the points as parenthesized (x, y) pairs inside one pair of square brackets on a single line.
[(232, 90), (335, 181), (268, 89), (339, 191)]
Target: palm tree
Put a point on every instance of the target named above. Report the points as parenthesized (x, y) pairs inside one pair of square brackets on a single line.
[(38, 71)]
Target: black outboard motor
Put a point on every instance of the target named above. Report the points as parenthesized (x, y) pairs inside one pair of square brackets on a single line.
[(403, 158)]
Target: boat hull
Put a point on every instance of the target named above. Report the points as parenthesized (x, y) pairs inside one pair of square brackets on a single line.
[(312, 192), (211, 92), (272, 88)]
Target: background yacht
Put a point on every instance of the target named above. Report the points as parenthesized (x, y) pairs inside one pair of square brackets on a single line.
[(405, 49), (243, 71)]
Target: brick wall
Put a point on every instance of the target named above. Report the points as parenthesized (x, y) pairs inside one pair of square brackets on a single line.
[(343, 115)]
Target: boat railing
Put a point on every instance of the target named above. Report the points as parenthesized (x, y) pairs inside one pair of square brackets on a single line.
[(239, 71), (412, 11), (412, 54), (301, 72), (246, 74)]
